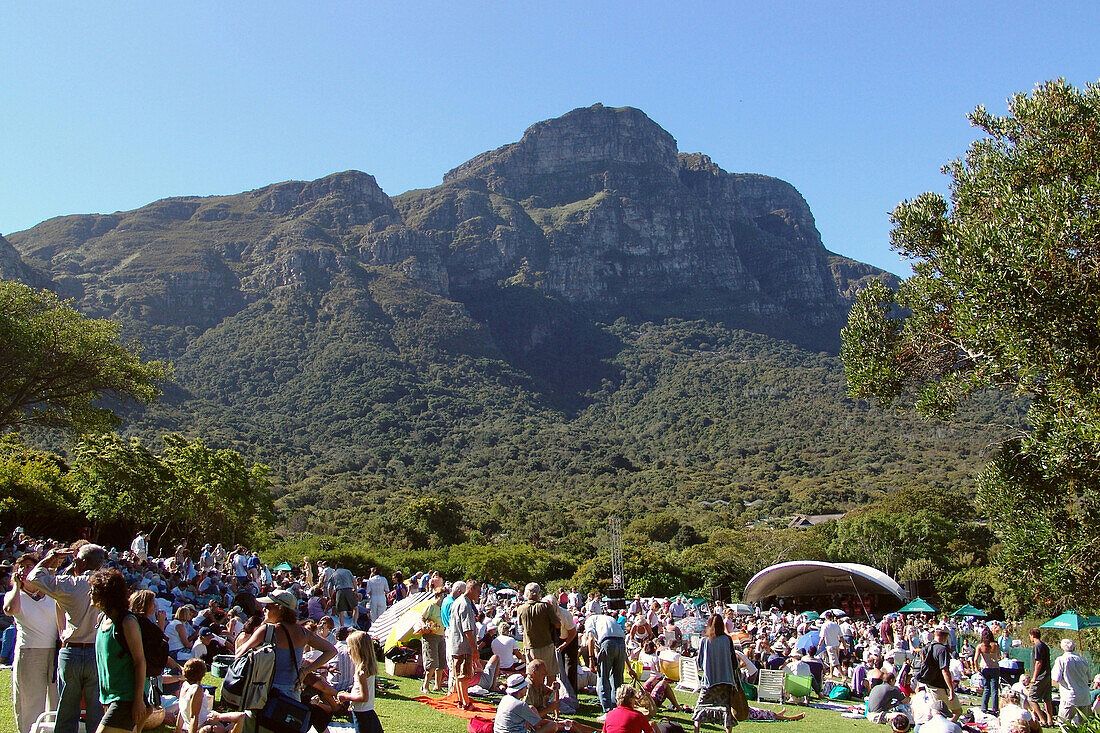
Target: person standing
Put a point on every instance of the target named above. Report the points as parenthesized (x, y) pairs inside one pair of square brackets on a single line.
[(937, 673), (987, 659), (32, 687), (1071, 673), (140, 547), (462, 642), (718, 675), (433, 644), (568, 645), (377, 590), (345, 600), (119, 655), (607, 645), (77, 676), (540, 629), (1040, 693), (831, 639)]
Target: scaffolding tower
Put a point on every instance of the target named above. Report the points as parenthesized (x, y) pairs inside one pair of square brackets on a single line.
[(618, 579)]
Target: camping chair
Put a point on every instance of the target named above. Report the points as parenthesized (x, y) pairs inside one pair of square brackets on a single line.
[(799, 685), (771, 685)]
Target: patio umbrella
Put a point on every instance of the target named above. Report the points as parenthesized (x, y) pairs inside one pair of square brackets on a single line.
[(838, 612), (742, 609), (917, 605), (807, 640), (1072, 621), (504, 591), (283, 566), (810, 615), (381, 626), (969, 610)]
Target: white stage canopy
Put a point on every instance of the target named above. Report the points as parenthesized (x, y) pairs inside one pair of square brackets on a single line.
[(813, 578)]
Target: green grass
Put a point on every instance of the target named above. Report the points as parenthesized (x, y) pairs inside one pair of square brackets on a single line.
[(400, 714)]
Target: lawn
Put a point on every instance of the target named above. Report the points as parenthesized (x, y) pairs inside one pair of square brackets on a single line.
[(399, 714)]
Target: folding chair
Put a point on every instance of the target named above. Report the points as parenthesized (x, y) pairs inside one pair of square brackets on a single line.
[(799, 685), (771, 685), (689, 675)]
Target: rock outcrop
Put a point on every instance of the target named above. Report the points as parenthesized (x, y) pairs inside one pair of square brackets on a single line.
[(596, 210)]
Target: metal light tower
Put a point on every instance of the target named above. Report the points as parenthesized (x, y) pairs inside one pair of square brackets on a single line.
[(618, 579)]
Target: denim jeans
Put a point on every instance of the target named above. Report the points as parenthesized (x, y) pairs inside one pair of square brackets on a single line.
[(991, 689), (77, 675), (611, 659)]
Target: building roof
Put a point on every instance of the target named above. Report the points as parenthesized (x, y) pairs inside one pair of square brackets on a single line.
[(815, 578)]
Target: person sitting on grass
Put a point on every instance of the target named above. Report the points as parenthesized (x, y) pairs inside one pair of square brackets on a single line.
[(515, 716), (542, 697), (196, 703), (628, 716)]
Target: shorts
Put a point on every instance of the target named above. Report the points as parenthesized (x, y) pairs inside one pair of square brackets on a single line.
[(119, 714), (346, 600), (954, 705), (833, 655), (1040, 690), (434, 648), (462, 667), (548, 654)]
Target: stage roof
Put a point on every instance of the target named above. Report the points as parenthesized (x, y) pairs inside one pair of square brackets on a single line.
[(814, 578)]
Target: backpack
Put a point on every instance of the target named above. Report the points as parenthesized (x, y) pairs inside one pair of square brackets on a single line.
[(248, 679), (154, 645), (921, 672), (839, 692), (667, 726)]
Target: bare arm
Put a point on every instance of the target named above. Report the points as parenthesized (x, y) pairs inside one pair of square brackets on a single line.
[(11, 600), (132, 632), (328, 651)]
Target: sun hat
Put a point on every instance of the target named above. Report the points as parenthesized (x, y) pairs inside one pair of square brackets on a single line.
[(280, 597), (516, 683)]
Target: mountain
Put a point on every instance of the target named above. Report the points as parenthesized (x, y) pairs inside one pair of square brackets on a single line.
[(586, 315)]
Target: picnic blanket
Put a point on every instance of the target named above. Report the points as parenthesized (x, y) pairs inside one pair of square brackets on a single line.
[(448, 706)]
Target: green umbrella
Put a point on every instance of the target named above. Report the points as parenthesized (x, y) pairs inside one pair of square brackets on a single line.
[(969, 610), (698, 602), (917, 605), (282, 566), (810, 615), (1072, 621)]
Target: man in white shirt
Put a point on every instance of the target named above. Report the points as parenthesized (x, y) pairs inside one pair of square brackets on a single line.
[(140, 547), (831, 639), (941, 720), (1011, 711), (378, 589), (1070, 672), (35, 646)]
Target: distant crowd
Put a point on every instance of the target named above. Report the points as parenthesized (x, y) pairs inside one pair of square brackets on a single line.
[(83, 614)]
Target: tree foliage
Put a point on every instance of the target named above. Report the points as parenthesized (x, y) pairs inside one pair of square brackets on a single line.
[(1005, 295), (191, 492), (56, 365), (33, 491)]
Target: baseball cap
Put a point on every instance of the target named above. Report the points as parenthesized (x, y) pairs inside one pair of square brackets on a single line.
[(280, 597)]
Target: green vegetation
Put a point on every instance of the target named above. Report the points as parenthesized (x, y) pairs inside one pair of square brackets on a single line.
[(1005, 296), (56, 364)]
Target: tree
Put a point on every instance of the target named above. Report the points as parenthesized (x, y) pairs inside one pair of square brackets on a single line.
[(33, 490), (1006, 295), (56, 364)]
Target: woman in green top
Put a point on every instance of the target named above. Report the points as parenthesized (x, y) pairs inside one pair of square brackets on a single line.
[(120, 657)]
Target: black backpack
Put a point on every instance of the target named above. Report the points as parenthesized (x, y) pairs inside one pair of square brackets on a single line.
[(921, 669), (153, 642)]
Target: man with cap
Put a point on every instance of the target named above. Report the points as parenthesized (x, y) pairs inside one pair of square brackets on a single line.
[(516, 716), (941, 721)]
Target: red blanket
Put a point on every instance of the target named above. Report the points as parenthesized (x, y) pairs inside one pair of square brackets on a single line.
[(449, 706)]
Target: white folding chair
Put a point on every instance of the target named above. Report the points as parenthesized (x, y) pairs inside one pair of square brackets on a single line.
[(689, 675), (771, 685)]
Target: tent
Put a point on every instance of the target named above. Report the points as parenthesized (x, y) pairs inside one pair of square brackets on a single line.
[(917, 605), (969, 610), (283, 566), (814, 578), (1072, 621)]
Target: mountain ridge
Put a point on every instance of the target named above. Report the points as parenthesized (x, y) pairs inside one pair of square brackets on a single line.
[(589, 314)]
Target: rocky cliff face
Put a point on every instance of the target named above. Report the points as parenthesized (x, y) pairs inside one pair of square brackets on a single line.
[(12, 267), (595, 211)]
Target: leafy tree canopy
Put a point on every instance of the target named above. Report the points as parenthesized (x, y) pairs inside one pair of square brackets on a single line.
[(56, 364), (1006, 295)]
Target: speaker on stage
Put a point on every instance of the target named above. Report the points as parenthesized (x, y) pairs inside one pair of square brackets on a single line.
[(720, 594)]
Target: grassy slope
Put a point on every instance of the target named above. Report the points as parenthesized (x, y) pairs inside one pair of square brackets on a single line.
[(399, 714)]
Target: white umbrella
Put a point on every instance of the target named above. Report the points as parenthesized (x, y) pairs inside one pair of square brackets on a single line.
[(380, 627)]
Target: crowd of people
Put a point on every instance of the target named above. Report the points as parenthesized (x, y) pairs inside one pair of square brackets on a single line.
[(79, 612)]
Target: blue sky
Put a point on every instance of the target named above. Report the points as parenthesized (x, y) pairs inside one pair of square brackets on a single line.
[(108, 106)]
